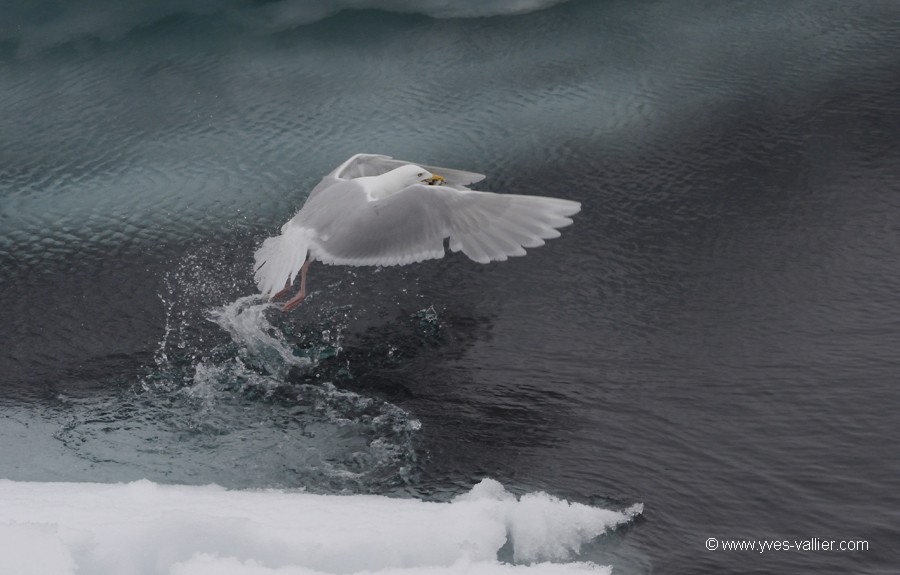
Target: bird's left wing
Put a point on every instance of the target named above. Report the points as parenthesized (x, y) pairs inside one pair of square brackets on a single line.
[(411, 225)]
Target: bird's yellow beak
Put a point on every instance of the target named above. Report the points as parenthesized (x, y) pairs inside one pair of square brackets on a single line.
[(435, 180)]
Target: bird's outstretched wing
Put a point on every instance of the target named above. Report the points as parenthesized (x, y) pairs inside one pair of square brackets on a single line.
[(410, 226)]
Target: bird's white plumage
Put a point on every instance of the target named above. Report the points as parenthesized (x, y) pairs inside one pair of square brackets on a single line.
[(374, 210)]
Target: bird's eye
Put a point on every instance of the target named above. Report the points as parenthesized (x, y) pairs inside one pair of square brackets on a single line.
[(421, 174)]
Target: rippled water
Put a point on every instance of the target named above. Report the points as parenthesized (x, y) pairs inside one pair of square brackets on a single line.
[(715, 337)]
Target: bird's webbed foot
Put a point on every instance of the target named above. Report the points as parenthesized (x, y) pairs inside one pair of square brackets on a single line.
[(294, 301)]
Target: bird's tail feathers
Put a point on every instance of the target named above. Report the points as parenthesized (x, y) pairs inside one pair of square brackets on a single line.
[(279, 259)]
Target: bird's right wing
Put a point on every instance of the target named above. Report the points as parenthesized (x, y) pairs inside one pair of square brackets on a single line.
[(362, 165)]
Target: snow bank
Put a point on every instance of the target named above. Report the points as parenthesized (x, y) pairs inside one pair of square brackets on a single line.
[(147, 528)]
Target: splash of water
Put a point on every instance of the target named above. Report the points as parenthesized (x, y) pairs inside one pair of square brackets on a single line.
[(259, 342), (243, 395)]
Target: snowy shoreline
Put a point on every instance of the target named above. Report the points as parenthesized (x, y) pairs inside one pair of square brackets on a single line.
[(144, 527)]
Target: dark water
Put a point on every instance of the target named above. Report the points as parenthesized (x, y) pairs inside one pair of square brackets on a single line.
[(715, 337)]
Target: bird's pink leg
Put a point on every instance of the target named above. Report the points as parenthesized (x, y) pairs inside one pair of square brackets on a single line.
[(295, 301), (284, 292)]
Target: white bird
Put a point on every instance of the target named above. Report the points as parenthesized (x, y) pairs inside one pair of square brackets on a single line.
[(373, 210)]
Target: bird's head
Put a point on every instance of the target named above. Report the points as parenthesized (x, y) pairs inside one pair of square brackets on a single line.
[(412, 174)]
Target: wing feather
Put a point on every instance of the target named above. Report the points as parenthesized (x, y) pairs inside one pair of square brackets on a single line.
[(411, 225)]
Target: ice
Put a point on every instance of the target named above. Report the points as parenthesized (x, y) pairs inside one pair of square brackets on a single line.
[(47, 23), (149, 528), (207, 564)]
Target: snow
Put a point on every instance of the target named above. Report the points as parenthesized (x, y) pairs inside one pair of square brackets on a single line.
[(147, 528)]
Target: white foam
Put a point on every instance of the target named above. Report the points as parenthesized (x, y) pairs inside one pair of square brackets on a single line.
[(144, 528)]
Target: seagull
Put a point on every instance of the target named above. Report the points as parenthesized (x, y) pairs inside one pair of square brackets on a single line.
[(373, 210)]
